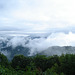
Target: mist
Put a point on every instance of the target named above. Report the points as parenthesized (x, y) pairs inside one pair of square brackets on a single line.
[(37, 44), (55, 39)]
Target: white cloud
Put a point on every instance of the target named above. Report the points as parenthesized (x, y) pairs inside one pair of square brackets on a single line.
[(39, 44), (46, 13), (55, 39), (17, 41)]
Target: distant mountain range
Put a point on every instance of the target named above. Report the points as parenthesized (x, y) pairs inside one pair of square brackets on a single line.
[(57, 50), (30, 46)]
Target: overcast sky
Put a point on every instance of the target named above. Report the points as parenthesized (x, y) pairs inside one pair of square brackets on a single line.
[(37, 15)]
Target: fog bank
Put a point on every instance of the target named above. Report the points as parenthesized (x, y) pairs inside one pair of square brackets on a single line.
[(37, 44)]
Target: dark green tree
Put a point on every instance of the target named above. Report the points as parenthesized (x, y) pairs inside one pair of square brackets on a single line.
[(3, 60), (20, 62)]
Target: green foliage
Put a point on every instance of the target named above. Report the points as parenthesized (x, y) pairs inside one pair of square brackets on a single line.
[(40, 62), (3, 60), (38, 65), (43, 62), (50, 72), (67, 64), (20, 62)]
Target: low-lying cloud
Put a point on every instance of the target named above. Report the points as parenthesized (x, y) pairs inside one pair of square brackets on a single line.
[(55, 39), (37, 45)]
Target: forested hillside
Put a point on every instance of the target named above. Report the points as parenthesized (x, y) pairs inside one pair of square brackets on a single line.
[(38, 65)]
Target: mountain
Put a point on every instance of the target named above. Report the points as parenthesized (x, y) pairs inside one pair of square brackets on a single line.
[(31, 44), (57, 50), (11, 52)]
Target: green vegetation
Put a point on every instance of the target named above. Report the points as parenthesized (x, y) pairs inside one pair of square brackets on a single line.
[(38, 65)]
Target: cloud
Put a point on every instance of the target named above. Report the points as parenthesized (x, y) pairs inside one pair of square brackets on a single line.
[(55, 39), (39, 14), (36, 45), (17, 41)]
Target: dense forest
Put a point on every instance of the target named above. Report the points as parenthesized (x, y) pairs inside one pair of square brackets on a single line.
[(38, 65)]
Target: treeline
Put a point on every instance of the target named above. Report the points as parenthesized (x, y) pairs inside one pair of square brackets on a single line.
[(38, 65)]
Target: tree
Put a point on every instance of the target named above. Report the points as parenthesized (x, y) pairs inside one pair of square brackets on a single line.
[(20, 62), (3, 60)]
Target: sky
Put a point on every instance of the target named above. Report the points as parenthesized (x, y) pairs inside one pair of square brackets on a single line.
[(37, 15)]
